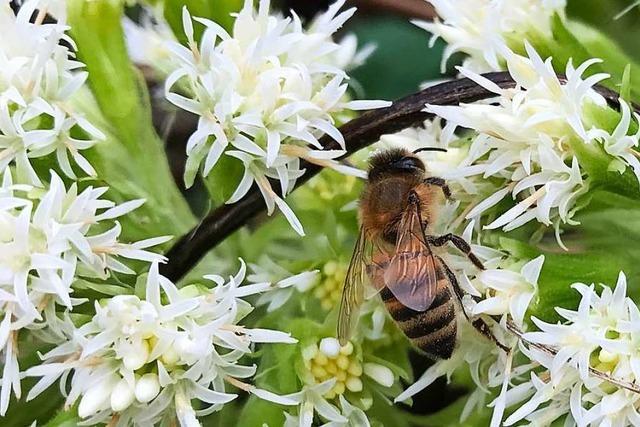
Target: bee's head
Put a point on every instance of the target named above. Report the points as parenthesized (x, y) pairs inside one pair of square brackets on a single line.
[(396, 161)]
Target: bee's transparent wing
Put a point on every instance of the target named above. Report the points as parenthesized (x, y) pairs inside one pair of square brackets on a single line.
[(412, 272), (354, 286)]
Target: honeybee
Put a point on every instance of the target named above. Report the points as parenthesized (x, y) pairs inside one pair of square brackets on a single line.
[(394, 253)]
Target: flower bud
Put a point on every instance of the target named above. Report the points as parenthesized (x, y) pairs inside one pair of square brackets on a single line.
[(380, 374), (354, 384), (122, 396), (147, 388), (330, 347), (97, 397)]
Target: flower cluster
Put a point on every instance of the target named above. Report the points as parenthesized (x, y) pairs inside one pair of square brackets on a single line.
[(37, 78), (524, 143), (49, 239), (482, 28), (139, 356), (265, 94), (588, 365)]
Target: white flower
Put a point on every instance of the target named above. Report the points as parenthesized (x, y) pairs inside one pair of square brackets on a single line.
[(525, 138), (310, 400), (284, 283), (147, 41), (589, 362), (188, 341), (480, 28), (37, 78), (508, 291), (55, 8), (265, 94), (48, 238), (430, 134), (354, 416)]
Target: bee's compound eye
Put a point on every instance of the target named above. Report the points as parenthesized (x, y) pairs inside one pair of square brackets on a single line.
[(409, 164)]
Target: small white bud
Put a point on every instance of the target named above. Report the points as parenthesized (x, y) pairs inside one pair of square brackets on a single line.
[(354, 384), (147, 388), (97, 397), (122, 396), (330, 347), (380, 374)]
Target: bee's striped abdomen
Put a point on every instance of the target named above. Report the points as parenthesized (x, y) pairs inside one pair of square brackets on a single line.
[(434, 330)]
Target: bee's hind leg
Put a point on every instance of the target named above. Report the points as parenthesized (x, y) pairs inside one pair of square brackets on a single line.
[(479, 324), (459, 243)]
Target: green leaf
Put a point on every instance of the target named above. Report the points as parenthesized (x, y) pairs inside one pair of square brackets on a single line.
[(131, 160), (217, 10), (602, 245), (578, 42), (64, 419), (276, 374), (402, 59), (223, 179), (101, 289), (615, 59)]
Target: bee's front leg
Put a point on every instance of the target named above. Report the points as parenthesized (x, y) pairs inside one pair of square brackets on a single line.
[(438, 182)]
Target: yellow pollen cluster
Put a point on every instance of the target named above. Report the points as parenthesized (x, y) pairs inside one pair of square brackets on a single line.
[(342, 366), (329, 289)]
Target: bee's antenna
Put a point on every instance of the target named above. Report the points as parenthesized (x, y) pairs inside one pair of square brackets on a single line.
[(444, 150)]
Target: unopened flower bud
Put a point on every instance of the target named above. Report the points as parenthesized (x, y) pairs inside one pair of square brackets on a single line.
[(380, 374), (97, 397), (330, 347), (147, 388), (122, 396)]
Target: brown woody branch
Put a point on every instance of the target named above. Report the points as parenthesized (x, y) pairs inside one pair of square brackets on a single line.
[(358, 133)]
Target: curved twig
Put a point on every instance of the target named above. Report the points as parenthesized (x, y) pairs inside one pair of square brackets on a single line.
[(358, 133)]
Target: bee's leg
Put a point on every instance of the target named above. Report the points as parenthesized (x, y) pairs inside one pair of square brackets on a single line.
[(459, 243), (438, 182), (479, 324)]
